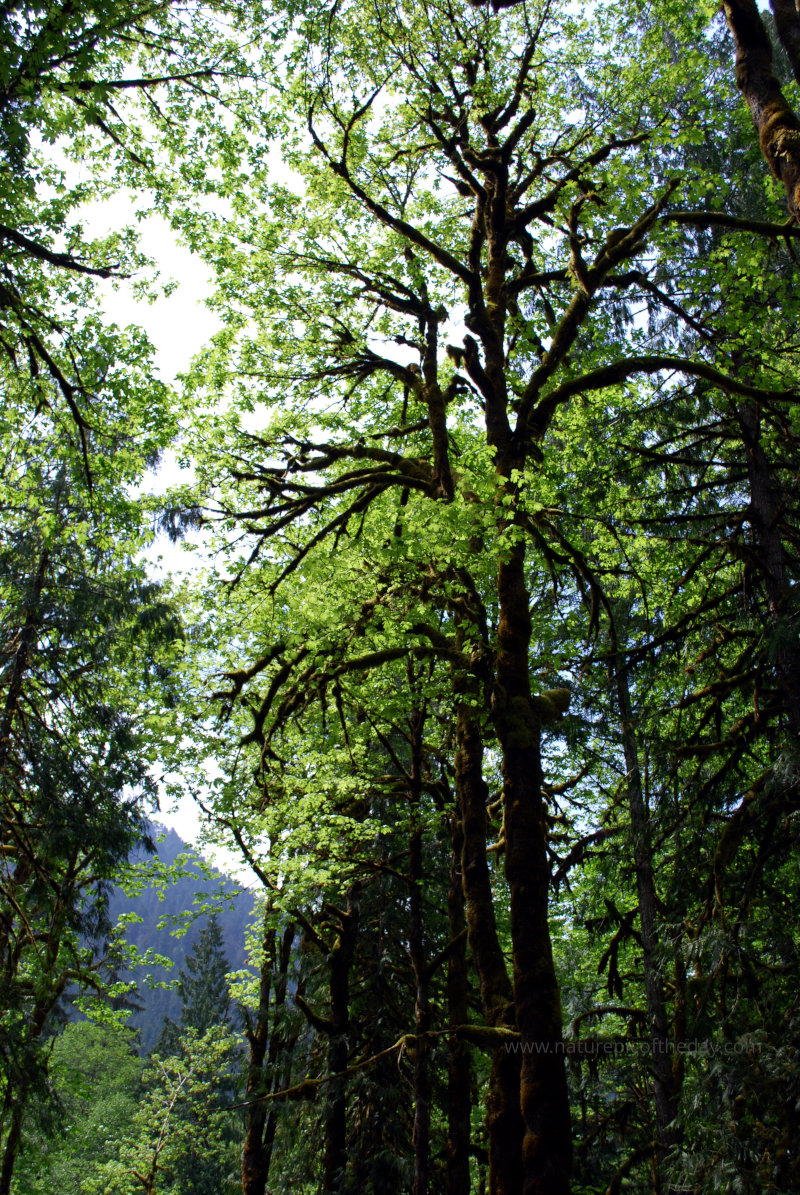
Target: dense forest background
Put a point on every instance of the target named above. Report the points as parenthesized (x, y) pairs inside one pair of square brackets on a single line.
[(488, 664), (171, 913)]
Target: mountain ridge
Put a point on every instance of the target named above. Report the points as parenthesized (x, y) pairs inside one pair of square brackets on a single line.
[(187, 902)]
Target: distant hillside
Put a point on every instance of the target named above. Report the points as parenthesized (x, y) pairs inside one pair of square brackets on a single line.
[(179, 898)]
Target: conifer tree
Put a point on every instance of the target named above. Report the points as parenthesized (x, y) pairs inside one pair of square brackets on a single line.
[(203, 989), (202, 982)]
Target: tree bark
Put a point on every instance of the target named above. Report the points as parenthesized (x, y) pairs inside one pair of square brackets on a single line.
[(547, 1144), (416, 950), (787, 22), (665, 1094), (458, 1067), (765, 519), (504, 1122), (265, 1046), (340, 962), (776, 123)]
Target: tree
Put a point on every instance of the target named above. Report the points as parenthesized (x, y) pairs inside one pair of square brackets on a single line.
[(202, 981), (180, 1137), (103, 82), (464, 178), (86, 641), (203, 988), (500, 438), (84, 633), (95, 1077)]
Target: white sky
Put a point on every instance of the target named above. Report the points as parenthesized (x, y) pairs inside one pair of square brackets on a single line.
[(178, 326)]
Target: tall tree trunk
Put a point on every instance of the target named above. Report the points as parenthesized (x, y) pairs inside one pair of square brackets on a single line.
[(787, 22), (504, 1122), (416, 949), (665, 1093), (340, 961), (279, 1042), (765, 518), (547, 1144), (265, 1044), (458, 1066), (777, 125), (255, 1168), (25, 645), (11, 1149)]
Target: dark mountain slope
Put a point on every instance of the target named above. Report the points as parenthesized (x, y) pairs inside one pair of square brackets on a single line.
[(177, 905)]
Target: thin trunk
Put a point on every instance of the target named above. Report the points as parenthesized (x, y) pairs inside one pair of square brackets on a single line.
[(340, 962), (264, 1046), (787, 22), (547, 1144), (765, 519), (279, 1043), (254, 1167), (665, 1093), (11, 860), (458, 1067), (472, 798), (21, 659), (504, 1123), (416, 948), (11, 1149)]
